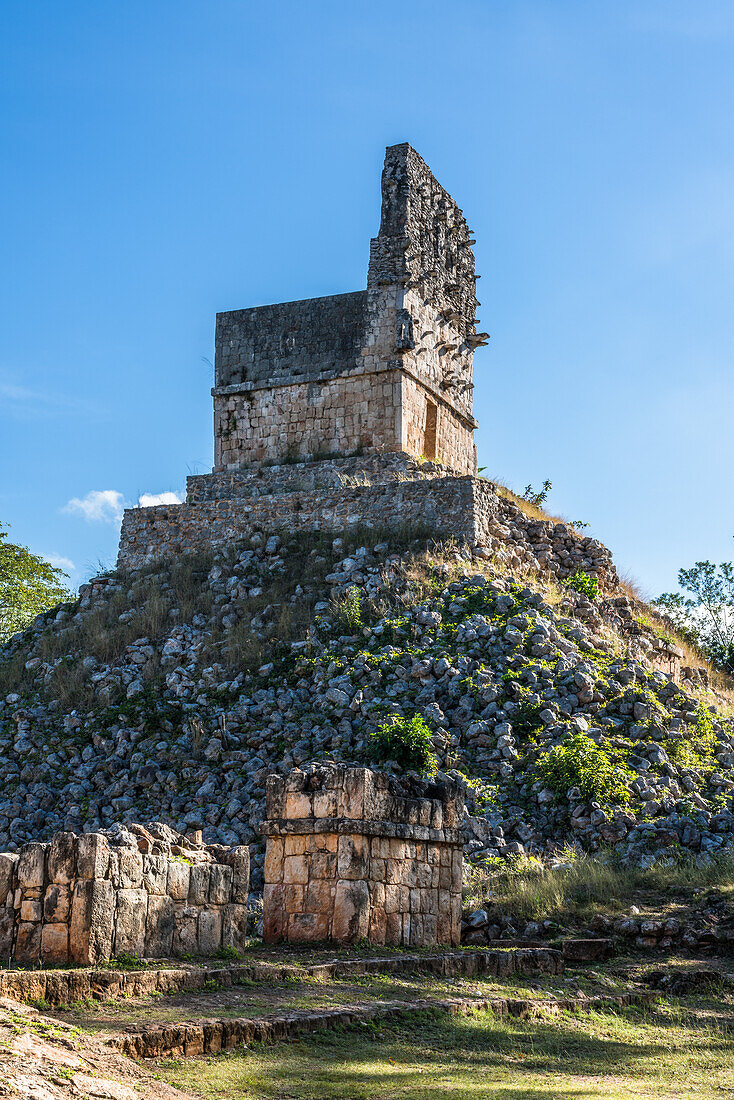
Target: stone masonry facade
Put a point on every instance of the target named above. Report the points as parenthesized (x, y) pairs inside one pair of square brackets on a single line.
[(382, 370), (84, 899), (350, 856), (356, 409)]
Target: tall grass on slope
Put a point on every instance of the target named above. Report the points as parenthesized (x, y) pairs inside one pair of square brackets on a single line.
[(585, 885)]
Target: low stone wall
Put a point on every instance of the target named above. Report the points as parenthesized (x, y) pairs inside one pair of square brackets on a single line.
[(399, 492), (63, 987), (294, 477), (85, 899), (350, 857), (444, 504)]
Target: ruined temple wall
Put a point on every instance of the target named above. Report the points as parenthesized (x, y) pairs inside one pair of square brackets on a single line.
[(238, 483), (289, 341), (445, 504), (349, 859), (360, 410), (80, 900), (447, 440), (466, 508)]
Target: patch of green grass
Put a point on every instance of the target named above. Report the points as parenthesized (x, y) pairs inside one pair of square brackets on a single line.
[(666, 1051)]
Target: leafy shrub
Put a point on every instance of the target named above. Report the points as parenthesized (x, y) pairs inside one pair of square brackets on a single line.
[(348, 611), (583, 583), (407, 741), (600, 774), (537, 496)]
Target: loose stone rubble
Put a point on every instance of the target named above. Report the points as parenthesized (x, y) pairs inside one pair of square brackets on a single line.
[(136, 891), (168, 731)]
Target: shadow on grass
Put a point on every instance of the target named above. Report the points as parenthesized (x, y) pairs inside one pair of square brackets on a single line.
[(480, 1056)]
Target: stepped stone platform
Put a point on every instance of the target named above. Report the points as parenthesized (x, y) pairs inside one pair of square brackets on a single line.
[(63, 987)]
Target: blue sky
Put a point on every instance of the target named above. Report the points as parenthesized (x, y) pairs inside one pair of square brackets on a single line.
[(162, 161)]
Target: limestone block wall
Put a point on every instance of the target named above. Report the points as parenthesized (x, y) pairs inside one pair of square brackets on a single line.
[(351, 856), (242, 482), (388, 368), (84, 899), (289, 341), (469, 509), (445, 504), (326, 414)]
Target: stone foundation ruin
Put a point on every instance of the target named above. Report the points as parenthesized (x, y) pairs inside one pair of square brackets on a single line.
[(145, 891), (350, 857)]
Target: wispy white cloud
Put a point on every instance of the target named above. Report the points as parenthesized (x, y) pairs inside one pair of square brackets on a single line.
[(60, 562), (98, 506), (149, 500), (21, 402)]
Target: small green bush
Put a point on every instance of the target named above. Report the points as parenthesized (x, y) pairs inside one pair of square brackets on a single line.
[(600, 774), (347, 611), (583, 583), (407, 741)]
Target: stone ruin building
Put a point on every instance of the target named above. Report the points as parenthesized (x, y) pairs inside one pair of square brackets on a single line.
[(318, 399), (357, 408), (353, 856)]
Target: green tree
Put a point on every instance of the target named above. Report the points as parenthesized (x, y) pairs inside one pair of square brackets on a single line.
[(703, 613), (28, 586)]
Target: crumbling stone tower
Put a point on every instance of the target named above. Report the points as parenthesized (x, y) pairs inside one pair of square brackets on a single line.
[(388, 369), (325, 410)]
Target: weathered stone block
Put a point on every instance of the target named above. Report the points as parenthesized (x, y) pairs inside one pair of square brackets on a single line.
[(308, 927), (55, 943), (199, 884), (234, 926), (130, 920), (159, 926), (353, 857), (62, 858), (31, 869), (179, 874), (297, 805), (322, 865), (31, 909), (220, 884), (155, 873), (92, 856), (57, 904), (274, 913), (351, 911), (129, 869), (91, 927), (8, 864), (239, 860), (210, 931), (185, 931), (295, 870), (28, 942), (273, 870), (7, 933)]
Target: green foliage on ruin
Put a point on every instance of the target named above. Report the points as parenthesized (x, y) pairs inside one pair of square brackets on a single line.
[(600, 774), (583, 583), (28, 587), (407, 741)]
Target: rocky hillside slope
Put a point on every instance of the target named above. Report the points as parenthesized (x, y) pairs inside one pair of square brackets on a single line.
[(170, 695)]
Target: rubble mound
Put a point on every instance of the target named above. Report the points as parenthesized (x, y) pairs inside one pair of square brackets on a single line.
[(171, 692)]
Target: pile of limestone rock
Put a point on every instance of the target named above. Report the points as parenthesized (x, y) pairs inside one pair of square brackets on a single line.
[(500, 665)]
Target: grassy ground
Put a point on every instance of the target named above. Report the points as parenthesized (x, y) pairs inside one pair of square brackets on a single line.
[(584, 886), (307, 993), (675, 1049)]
